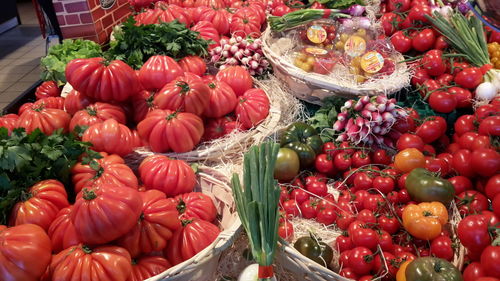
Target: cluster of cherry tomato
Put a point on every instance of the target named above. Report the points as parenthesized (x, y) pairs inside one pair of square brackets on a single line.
[(447, 85), (372, 195)]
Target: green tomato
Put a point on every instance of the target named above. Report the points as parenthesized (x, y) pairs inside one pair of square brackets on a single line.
[(315, 250), (432, 269), (423, 186), (287, 165), (304, 140)]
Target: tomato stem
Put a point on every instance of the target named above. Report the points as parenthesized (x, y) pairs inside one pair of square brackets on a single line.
[(86, 249), (88, 194), (181, 207)]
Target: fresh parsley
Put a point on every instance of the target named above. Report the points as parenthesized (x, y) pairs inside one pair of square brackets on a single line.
[(135, 44), (26, 159)]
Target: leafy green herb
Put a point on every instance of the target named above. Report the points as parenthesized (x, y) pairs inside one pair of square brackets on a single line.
[(257, 201), (135, 44), (54, 64), (326, 116), (28, 158), (340, 4)]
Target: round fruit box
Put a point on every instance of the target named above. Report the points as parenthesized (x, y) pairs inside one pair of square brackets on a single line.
[(313, 87), (203, 265), (284, 109), (305, 269)]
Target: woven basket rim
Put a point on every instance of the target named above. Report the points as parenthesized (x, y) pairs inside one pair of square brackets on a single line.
[(223, 240)]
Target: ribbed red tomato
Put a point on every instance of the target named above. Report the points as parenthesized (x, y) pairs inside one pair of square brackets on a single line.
[(259, 7), (218, 17), (166, 130), (245, 22), (219, 127), (105, 212), (253, 108), (196, 205), (183, 3), (193, 64), (45, 199), (46, 119), (111, 137), (25, 252), (9, 121), (237, 78), (47, 89), (142, 104), (79, 263), (155, 227), (173, 177), (194, 236), (172, 12), (186, 93), (62, 232), (158, 71), (75, 101), (222, 100), (210, 3), (109, 169), (97, 113), (48, 102), (148, 266), (103, 81), (208, 32)]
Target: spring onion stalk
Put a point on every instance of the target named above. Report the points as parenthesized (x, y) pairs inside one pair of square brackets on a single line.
[(467, 37), (257, 204), (300, 17)]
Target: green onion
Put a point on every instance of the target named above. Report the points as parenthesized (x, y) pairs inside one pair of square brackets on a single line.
[(300, 17), (257, 201), (464, 35)]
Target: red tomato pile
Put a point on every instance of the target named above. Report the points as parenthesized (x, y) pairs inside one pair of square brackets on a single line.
[(115, 225), (377, 211)]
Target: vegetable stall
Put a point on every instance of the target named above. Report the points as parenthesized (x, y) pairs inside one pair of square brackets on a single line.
[(261, 140)]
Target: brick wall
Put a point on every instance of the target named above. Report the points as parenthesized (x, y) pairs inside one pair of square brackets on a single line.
[(86, 19)]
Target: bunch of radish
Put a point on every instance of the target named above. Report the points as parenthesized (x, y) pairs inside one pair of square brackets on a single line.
[(369, 120), (246, 52)]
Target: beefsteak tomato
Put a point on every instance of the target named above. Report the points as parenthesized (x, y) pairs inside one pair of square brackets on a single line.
[(194, 236), (208, 32), (222, 100), (103, 81), (45, 199), (110, 169), (97, 113), (111, 137), (171, 176), (105, 212), (245, 22), (158, 71), (105, 263), (148, 266), (62, 232), (47, 89), (252, 108), (155, 227), (46, 119), (193, 64), (25, 252), (9, 121), (196, 205), (237, 78), (425, 220), (75, 101), (166, 130), (187, 93)]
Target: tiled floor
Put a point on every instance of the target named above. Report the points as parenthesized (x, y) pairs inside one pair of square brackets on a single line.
[(20, 52)]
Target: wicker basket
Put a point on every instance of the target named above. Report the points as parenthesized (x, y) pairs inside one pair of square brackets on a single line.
[(203, 265), (284, 109), (313, 87)]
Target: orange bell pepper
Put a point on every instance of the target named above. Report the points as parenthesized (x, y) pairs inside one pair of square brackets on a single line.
[(425, 220)]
